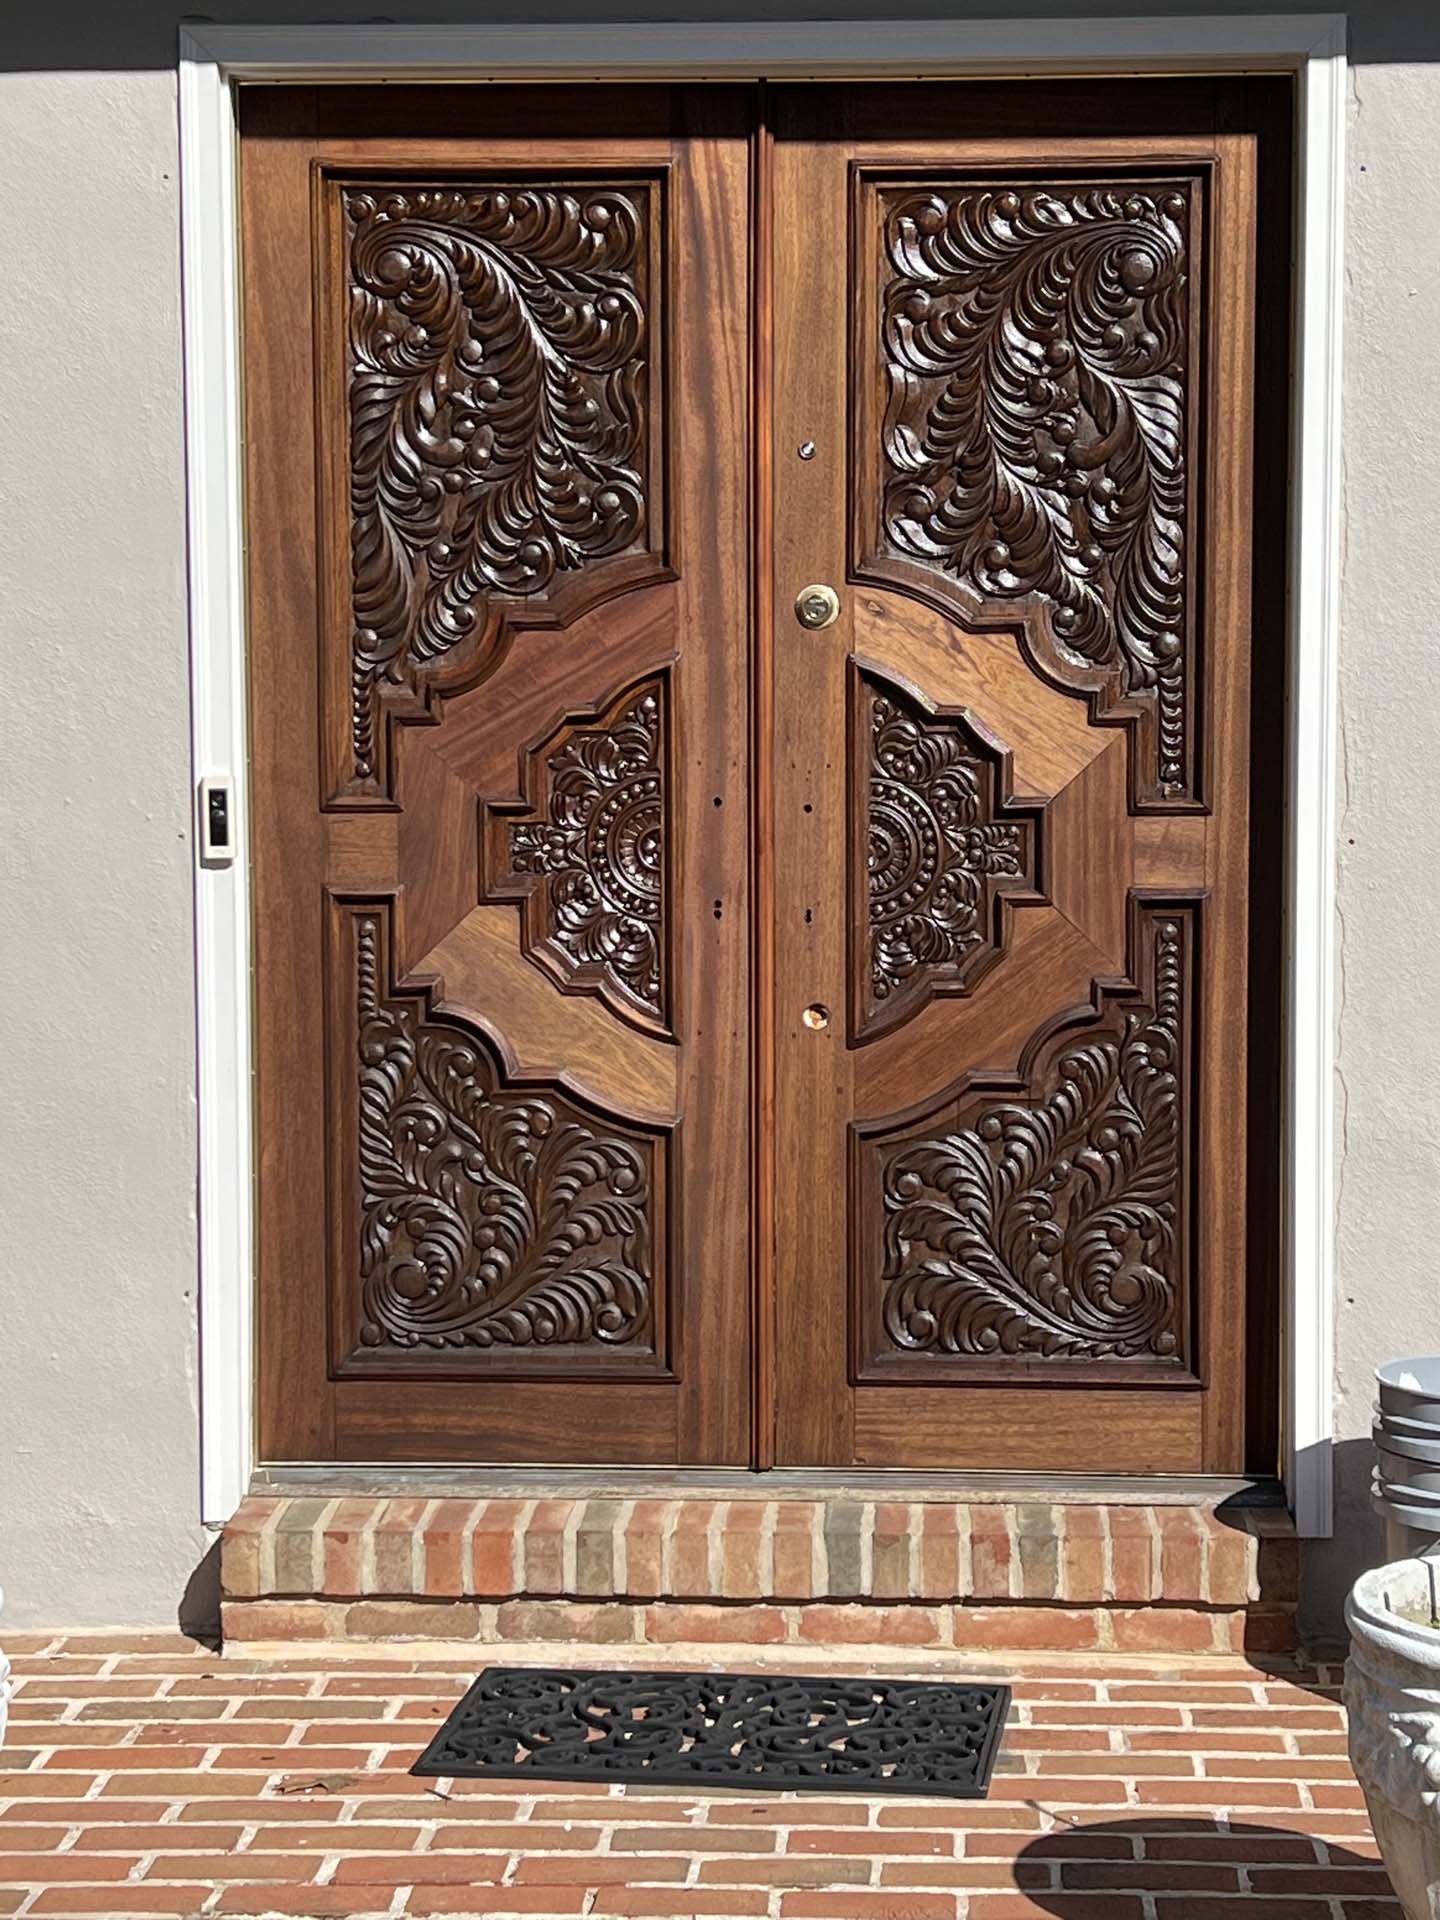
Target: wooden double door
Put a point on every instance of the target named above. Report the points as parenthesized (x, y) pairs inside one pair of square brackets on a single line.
[(761, 699)]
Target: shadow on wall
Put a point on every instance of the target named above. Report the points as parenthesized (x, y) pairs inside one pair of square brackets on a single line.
[(1329, 1567), (95, 34), (1067, 1872)]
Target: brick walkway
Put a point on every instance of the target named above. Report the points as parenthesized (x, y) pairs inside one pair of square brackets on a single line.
[(155, 1778)]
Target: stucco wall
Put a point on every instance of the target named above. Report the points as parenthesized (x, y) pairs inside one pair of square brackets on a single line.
[(98, 1414)]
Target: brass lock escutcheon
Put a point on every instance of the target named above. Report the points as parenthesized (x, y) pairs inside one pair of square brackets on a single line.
[(817, 606)]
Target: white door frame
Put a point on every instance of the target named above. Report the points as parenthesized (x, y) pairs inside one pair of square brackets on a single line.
[(213, 59)]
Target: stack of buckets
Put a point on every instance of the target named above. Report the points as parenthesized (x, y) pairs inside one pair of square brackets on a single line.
[(1407, 1456)]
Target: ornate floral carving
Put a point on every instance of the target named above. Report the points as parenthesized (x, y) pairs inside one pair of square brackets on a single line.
[(940, 855), (1035, 343), (1051, 1228), (490, 1217), (596, 844), (498, 375)]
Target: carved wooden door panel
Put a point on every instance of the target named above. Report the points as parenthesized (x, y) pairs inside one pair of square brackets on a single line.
[(499, 647), (1013, 426)]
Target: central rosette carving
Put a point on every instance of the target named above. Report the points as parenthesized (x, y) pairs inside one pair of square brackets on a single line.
[(942, 847), (597, 845)]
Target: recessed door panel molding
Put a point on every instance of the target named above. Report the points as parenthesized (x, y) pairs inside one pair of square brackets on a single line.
[(1042, 1227), (481, 1225), (505, 431), (499, 696), (1040, 348)]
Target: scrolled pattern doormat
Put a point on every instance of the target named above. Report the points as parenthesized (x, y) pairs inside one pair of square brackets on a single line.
[(724, 1729)]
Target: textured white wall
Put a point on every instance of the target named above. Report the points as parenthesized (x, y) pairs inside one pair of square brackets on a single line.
[(98, 1407), (1389, 833), (98, 1414)]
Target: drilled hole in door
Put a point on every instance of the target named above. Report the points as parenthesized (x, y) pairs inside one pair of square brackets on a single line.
[(817, 1018)]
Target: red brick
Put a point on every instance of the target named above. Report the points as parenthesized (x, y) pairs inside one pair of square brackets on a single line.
[(566, 1620), (280, 1620), (707, 1839), (1162, 1630), (1149, 1876), (240, 1568), (543, 1547), (820, 1871), (30, 1868), (319, 1836), (1076, 1906), (395, 1535), (808, 1839), (991, 1550), (1196, 1906), (147, 1839), (602, 1871), (940, 1532), (442, 1548), (740, 1570), (890, 1551), (755, 1626), (413, 1620), (1082, 1556), (115, 1902), (401, 1869), (793, 1550), (1278, 1571), (1267, 1630), (695, 1900), (1230, 1558), (688, 1556), (340, 1547), (873, 1625), (871, 1905), (1132, 1544), (1211, 1793), (1182, 1554), (307, 1900), (550, 1901), (493, 1551), (1048, 1629), (644, 1544)]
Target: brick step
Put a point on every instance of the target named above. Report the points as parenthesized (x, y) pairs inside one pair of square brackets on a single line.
[(938, 1574)]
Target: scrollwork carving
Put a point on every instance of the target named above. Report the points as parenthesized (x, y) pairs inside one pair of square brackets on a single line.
[(1052, 1227), (498, 392), (1035, 341), (942, 849), (491, 1218)]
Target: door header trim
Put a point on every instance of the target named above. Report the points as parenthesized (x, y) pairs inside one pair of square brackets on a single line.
[(214, 60)]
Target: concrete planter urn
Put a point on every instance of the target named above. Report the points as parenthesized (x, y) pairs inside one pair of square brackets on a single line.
[(1392, 1696)]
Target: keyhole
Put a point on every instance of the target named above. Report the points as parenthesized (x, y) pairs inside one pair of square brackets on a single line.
[(817, 1018)]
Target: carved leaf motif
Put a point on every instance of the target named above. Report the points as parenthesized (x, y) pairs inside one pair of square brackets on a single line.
[(1035, 441), (601, 846), (490, 1218), (1051, 1228), (497, 394), (937, 855)]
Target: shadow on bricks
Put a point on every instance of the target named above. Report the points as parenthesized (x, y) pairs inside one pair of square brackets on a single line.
[(1196, 1869)]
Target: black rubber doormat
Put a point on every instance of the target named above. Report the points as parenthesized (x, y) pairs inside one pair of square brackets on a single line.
[(724, 1729)]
